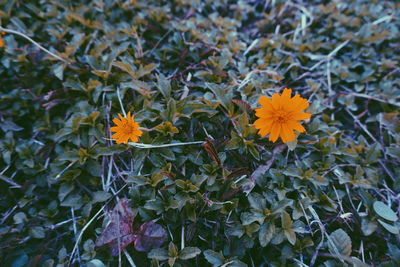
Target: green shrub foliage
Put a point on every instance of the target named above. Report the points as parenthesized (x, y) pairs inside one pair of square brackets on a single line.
[(192, 71)]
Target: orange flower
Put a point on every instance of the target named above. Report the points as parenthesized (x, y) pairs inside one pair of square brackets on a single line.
[(126, 129), (1, 39), (278, 116)]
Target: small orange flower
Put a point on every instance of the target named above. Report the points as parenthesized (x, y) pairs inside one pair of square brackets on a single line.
[(126, 129), (278, 116), (1, 42)]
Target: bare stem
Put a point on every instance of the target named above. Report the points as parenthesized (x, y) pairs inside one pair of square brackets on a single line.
[(33, 42)]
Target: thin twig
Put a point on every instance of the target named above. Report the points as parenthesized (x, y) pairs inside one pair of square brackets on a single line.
[(88, 224), (65, 169), (34, 42), (54, 226), (356, 120), (354, 261), (374, 98), (140, 145), (9, 181), (120, 102), (75, 232), (129, 258), (7, 214), (158, 43)]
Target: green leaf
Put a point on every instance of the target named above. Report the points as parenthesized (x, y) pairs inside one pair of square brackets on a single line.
[(286, 220), (250, 217), (164, 86), (20, 261), (20, 217), (341, 241), (257, 202), (172, 250), (73, 200), (189, 253), (100, 196), (368, 227), (158, 254), (37, 232), (391, 228), (266, 233), (221, 94), (111, 150), (64, 190), (292, 145), (166, 153), (253, 150), (130, 69), (157, 178), (48, 263), (143, 71), (281, 205), (373, 153), (385, 211), (290, 235), (58, 70), (95, 263), (215, 258)]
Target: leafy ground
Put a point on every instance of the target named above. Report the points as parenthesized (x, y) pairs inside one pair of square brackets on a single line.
[(192, 71)]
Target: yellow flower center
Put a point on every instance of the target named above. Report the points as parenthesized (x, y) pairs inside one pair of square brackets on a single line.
[(128, 128), (281, 116)]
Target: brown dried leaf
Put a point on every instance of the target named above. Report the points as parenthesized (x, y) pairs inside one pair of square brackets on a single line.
[(150, 235), (210, 148), (119, 230), (243, 105), (236, 173)]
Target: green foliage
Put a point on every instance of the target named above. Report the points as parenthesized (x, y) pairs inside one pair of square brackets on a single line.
[(192, 70)]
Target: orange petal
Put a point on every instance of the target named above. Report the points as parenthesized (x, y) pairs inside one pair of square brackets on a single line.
[(264, 126), (264, 131), (134, 139), (285, 99), (121, 117), (263, 113), (286, 94), (136, 125), (287, 134), (115, 129), (265, 102), (301, 116), (116, 135), (298, 103), (296, 126), (138, 132), (258, 124), (121, 140), (117, 121), (276, 101), (275, 132), (124, 139)]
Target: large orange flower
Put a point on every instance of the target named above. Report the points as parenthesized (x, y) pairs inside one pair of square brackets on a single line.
[(278, 116), (126, 129)]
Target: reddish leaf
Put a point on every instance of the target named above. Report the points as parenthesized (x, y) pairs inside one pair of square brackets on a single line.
[(243, 105), (236, 173), (150, 235), (124, 241), (210, 148), (229, 194), (119, 230)]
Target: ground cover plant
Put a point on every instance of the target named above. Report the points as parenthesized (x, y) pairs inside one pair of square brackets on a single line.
[(157, 133)]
